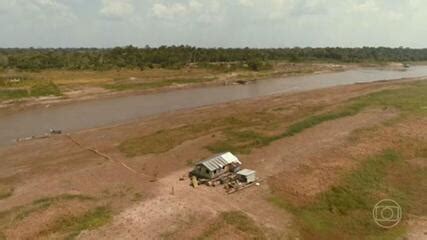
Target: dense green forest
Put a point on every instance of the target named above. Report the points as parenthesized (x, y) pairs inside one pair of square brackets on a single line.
[(178, 56)]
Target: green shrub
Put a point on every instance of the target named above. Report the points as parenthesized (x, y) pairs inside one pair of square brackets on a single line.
[(5, 191), (45, 89), (6, 94), (93, 219)]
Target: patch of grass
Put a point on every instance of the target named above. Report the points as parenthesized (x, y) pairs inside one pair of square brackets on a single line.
[(137, 197), (243, 222), (237, 220), (29, 89), (44, 203), (7, 94), (358, 186), (161, 141), (63, 197), (21, 212), (245, 141), (44, 88), (345, 211), (280, 203), (122, 86), (5, 191), (13, 81), (164, 140), (240, 142), (71, 227), (312, 121), (410, 100), (409, 180)]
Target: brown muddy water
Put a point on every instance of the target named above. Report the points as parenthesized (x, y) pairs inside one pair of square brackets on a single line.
[(103, 112)]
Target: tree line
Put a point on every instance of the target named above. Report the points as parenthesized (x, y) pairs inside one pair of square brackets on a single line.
[(131, 57)]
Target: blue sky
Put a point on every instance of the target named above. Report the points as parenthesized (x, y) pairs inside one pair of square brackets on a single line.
[(213, 23)]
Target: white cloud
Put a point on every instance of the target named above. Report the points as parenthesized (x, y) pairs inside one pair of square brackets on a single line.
[(56, 9), (6, 5), (170, 11), (196, 11), (378, 9), (54, 13), (262, 23), (117, 9), (195, 5), (247, 3), (367, 6)]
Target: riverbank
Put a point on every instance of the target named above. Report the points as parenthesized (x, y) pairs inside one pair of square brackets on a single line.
[(310, 149), (59, 87)]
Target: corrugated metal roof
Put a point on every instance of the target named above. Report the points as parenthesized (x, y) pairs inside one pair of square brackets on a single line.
[(246, 172), (220, 161)]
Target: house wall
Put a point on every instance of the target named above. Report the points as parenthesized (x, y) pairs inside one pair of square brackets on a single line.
[(220, 171), (248, 178), (251, 178), (202, 171)]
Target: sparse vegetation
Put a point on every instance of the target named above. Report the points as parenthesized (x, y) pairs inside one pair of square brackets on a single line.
[(44, 89), (345, 211), (239, 222), (160, 141), (137, 197), (240, 141), (243, 133), (71, 226), (121, 86), (14, 215), (6, 94), (164, 140), (409, 99), (28, 88), (5, 191)]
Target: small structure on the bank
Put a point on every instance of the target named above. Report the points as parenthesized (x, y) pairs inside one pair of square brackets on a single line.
[(246, 176), (216, 166), (222, 169)]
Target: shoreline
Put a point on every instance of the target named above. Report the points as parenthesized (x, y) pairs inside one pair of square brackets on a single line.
[(13, 106)]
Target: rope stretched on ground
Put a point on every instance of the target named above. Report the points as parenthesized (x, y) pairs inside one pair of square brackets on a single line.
[(105, 156)]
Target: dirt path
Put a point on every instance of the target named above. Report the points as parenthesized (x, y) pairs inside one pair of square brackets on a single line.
[(179, 205)]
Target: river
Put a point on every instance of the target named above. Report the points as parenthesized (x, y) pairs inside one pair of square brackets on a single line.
[(103, 112)]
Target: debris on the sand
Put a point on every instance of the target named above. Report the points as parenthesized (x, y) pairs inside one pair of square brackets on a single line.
[(55, 131), (241, 82), (46, 135)]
